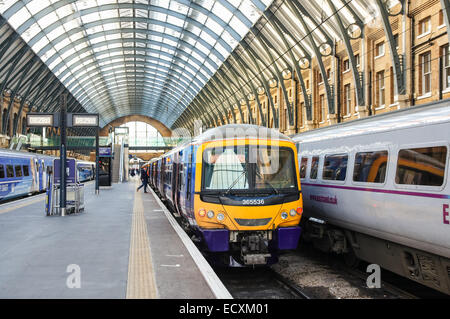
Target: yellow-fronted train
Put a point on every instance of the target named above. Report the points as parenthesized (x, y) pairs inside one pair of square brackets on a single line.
[(236, 191)]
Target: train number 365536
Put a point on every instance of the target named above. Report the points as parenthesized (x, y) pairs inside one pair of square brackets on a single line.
[(253, 202)]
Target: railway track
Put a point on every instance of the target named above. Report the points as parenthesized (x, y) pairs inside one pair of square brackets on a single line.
[(324, 276), (258, 283), (266, 283)]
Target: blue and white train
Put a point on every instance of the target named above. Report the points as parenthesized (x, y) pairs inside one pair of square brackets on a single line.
[(24, 173), (378, 189)]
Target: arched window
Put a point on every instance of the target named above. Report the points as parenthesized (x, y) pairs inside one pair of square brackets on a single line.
[(14, 121), (143, 134), (4, 125), (24, 125)]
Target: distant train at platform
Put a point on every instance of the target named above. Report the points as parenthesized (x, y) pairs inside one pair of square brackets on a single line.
[(85, 171), (23, 174), (377, 189), (236, 190)]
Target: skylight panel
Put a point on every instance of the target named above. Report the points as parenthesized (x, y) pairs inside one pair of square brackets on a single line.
[(222, 12), (19, 18), (36, 6)]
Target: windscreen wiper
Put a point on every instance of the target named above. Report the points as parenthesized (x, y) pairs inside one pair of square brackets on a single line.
[(234, 183), (266, 182)]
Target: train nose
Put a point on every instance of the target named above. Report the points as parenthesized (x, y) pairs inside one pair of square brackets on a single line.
[(253, 216)]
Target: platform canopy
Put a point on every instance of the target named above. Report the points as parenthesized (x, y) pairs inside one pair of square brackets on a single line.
[(153, 57)]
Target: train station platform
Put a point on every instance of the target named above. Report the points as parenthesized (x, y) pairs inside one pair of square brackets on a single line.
[(125, 245)]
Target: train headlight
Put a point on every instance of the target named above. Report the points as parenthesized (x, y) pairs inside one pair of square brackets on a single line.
[(299, 210), (284, 215), (220, 217), (210, 214), (292, 212), (202, 212)]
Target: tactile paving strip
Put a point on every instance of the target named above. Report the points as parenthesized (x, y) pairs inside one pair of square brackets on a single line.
[(141, 281)]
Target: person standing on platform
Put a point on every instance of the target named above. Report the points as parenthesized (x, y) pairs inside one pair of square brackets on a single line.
[(144, 179)]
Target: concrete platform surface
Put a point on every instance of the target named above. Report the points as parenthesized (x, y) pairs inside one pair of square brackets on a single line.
[(122, 246)]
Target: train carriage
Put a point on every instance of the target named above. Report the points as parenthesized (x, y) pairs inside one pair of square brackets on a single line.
[(23, 173), (237, 189), (378, 189)]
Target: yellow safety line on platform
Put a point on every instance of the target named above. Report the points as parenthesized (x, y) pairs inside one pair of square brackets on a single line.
[(8, 209), (141, 282)]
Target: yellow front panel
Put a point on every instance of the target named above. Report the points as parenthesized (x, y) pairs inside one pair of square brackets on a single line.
[(272, 212)]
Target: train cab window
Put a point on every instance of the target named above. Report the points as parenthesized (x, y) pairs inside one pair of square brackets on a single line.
[(26, 171), (303, 166), (370, 167), (335, 167), (9, 171), (314, 167), (421, 166), (2, 171)]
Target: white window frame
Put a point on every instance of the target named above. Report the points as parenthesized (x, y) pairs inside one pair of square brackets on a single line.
[(428, 27), (380, 45), (347, 99), (381, 90), (426, 75)]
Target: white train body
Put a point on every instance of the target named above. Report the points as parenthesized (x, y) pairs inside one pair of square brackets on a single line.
[(401, 221)]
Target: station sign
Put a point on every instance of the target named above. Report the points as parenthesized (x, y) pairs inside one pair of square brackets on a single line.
[(104, 151), (53, 120), (121, 130), (41, 120), (82, 120)]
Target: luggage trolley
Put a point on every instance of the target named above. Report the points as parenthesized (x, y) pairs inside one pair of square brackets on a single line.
[(74, 190)]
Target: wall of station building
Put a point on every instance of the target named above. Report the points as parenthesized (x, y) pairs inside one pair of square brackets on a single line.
[(21, 126), (421, 37), (5, 139)]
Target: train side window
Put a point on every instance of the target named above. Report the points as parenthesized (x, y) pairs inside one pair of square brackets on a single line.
[(421, 166), (9, 171), (26, 171), (18, 170), (314, 167), (303, 166), (2, 171), (370, 167), (335, 167)]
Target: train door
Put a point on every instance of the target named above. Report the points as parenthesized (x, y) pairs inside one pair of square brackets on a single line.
[(44, 175), (41, 175), (38, 176), (34, 178), (161, 176), (178, 180), (190, 182)]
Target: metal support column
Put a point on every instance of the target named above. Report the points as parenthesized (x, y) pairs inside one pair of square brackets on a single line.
[(63, 155), (97, 160)]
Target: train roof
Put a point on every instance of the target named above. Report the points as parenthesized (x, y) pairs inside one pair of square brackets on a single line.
[(432, 113), (9, 152), (233, 131), (240, 131)]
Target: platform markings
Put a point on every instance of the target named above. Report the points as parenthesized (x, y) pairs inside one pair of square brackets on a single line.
[(217, 287), (141, 281), (22, 204), (175, 266)]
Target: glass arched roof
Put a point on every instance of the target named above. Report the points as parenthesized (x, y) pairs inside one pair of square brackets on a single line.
[(121, 57), (284, 40)]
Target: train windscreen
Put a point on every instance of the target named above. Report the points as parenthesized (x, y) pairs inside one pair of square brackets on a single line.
[(249, 167)]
